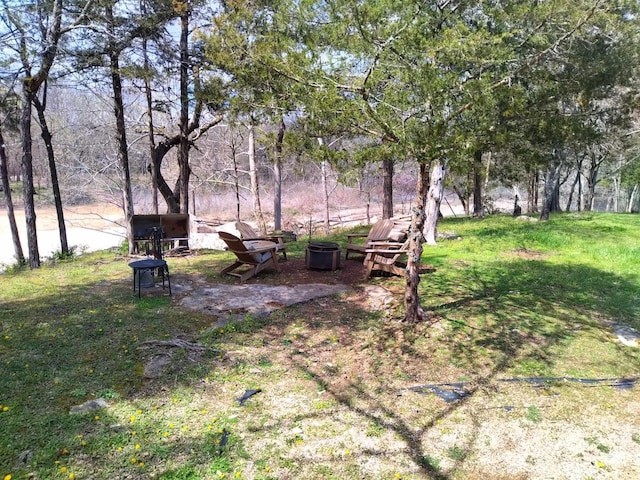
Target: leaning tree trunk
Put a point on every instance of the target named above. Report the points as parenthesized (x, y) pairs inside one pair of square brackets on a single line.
[(45, 133), (387, 188), (434, 199), (413, 310), (4, 175)]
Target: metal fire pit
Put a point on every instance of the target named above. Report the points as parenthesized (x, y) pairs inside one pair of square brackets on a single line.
[(322, 256)]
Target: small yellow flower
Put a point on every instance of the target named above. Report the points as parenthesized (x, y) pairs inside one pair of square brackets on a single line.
[(137, 446), (600, 464), (97, 417), (132, 418), (8, 477), (72, 476), (63, 469), (141, 464), (134, 460), (119, 449), (5, 409), (170, 425)]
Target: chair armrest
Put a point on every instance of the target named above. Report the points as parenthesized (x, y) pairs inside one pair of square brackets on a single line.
[(276, 237), (385, 247), (356, 235)]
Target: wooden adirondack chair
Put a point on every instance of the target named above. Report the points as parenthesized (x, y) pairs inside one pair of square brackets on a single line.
[(248, 233), (386, 257), (257, 255), (379, 232)]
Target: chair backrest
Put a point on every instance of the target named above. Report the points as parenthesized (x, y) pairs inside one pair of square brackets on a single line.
[(245, 230), (238, 248), (380, 230)]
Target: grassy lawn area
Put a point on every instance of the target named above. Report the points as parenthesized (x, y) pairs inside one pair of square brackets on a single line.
[(509, 299)]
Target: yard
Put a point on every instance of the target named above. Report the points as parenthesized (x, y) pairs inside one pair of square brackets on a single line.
[(527, 322)]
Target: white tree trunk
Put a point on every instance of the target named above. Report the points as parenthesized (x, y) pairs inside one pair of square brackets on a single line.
[(632, 198), (253, 174), (434, 199)]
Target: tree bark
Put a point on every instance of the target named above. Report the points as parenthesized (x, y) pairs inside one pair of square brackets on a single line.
[(434, 199), (45, 133), (277, 181), (183, 152), (6, 187), (413, 310), (387, 188), (28, 189)]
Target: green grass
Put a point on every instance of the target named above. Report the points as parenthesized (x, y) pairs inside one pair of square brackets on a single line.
[(511, 299)]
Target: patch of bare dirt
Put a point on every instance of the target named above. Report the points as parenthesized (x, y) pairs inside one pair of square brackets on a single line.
[(294, 272), (528, 254)]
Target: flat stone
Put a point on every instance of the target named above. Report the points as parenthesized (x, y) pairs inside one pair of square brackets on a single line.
[(255, 299), (90, 406), (626, 335)]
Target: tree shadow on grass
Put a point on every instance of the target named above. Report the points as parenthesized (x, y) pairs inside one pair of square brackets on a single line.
[(531, 305), (516, 310)]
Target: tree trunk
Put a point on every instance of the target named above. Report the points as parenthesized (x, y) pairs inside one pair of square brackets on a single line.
[(253, 174), (277, 181), (183, 153), (532, 191), (413, 309), (6, 187), (45, 133), (121, 131), (150, 126), (632, 199), (28, 190), (387, 188), (325, 196), (434, 199), (30, 86), (550, 186), (573, 187), (478, 208)]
